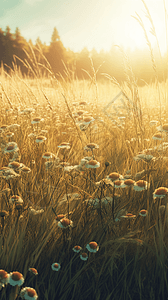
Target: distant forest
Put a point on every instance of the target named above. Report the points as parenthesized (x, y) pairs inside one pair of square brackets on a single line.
[(15, 50)]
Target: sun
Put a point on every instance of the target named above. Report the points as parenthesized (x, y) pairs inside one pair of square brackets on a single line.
[(134, 35), (119, 27)]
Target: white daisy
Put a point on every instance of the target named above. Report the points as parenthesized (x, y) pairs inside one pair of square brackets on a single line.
[(55, 266), (92, 247), (28, 293), (16, 278)]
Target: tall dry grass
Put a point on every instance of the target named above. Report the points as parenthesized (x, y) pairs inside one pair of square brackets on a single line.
[(132, 259)]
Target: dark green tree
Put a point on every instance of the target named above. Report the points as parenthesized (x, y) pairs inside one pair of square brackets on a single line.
[(9, 46), (2, 45), (56, 53)]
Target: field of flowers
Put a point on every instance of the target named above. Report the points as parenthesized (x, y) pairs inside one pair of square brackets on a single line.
[(83, 192)]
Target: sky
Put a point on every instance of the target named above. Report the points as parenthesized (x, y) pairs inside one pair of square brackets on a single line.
[(97, 24)]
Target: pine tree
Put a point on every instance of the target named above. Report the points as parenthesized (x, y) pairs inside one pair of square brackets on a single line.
[(9, 45), (56, 53), (2, 45)]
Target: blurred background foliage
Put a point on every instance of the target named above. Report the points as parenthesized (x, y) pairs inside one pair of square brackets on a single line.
[(15, 49)]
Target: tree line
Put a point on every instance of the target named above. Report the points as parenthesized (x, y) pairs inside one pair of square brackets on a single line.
[(15, 50)]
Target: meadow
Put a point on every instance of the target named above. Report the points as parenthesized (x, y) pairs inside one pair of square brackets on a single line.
[(83, 187)]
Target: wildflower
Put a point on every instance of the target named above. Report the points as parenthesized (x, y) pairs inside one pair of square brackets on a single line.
[(92, 202), (96, 202), (141, 185), (7, 173), (40, 139), (64, 145), (15, 199), (160, 192), (85, 160), (68, 168), (121, 213), (163, 128), (80, 113), (27, 111), (59, 217), (36, 120), (118, 184), (25, 170), (28, 293), (91, 146), (162, 147), (92, 164), (129, 216), (143, 156), (15, 165), (87, 120), (4, 278), (11, 147), (157, 136), (143, 212), (33, 270), (114, 176), (77, 249), (65, 223), (34, 212), (92, 247), (83, 256), (106, 200), (48, 155), (16, 278), (83, 103), (128, 183), (11, 176), (4, 170), (55, 266)]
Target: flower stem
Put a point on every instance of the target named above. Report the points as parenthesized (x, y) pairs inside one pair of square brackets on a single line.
[(14, 292)]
